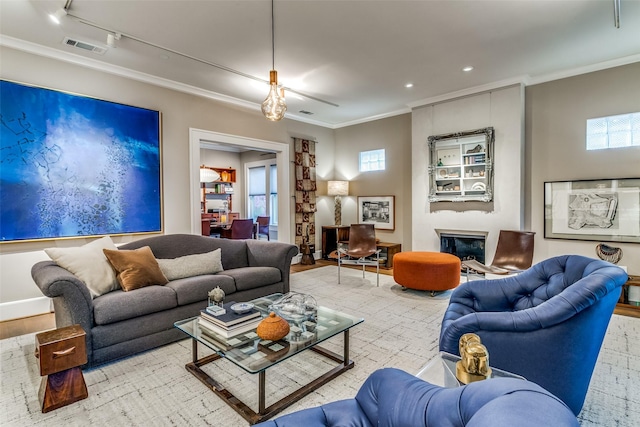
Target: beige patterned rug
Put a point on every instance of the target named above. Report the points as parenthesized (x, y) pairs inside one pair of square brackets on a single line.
[(400, 330)]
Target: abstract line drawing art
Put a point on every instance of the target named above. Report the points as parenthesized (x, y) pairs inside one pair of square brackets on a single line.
[(75, 166)]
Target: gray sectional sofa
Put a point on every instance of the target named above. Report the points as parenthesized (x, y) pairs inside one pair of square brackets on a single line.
[(120, 324)]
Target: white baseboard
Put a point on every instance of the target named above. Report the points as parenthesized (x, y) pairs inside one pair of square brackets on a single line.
[(25, 308)]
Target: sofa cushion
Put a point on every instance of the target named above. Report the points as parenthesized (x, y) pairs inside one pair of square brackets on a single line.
[(135, 268), (119, 305), (191, 265), (196, 288), (254, 277), (89, 263)]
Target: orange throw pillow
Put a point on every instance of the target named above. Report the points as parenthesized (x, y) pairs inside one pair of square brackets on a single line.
[(135, 268)]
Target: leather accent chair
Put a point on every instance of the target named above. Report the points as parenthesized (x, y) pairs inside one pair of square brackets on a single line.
[(263, 226), (514, 253), (391, 397), (362, 244), (240, 229), (546, 324)]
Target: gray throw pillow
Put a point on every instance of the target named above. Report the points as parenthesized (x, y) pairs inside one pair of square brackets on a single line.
[(192, 265)]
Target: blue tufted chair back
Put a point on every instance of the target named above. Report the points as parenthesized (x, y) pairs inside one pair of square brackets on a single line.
[(546, 324), (394, 398)]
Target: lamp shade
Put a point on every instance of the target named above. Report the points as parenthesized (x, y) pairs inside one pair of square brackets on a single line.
[(208, 175), (338, 188)]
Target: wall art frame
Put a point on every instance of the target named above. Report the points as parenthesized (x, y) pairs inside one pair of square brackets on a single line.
[(377, 210), (73, 166), (604, 210)]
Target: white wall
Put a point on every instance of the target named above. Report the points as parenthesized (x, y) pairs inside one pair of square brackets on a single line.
[(504, 110)]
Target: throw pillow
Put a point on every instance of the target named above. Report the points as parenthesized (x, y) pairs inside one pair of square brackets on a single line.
[(192, 265), (135, 268), (89, 264)]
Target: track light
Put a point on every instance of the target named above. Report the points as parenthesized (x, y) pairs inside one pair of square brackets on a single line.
[(57, 16), (111, 39)]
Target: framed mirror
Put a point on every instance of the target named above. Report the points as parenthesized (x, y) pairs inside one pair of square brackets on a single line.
[(461, 166)]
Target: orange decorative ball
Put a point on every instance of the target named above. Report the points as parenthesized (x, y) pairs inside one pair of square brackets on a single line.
[(273, 328)]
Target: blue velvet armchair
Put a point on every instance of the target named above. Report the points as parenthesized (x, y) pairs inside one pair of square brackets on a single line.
[(546, 324), (393, 398)]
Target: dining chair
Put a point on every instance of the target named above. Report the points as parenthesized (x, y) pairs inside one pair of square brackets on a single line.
[(263, 226), (361, 247), (239, 229)]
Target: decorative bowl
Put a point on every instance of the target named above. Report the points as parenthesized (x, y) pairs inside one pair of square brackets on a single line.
[(241, 307), (272, 328)]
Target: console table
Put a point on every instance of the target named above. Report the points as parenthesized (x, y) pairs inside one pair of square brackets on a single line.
[(624, 306), (332, 234)]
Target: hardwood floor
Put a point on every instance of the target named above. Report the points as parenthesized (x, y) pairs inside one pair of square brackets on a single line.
[(43, 322)]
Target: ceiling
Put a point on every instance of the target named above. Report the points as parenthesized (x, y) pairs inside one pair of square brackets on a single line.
[(357, 55)]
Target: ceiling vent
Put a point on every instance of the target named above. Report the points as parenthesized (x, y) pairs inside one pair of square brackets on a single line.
[(306, 112), (84, 46)]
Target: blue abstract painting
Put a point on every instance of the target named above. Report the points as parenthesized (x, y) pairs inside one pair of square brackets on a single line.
[(74, 166)]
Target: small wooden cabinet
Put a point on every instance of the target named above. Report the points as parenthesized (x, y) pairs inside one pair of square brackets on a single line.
[(624, 306), (332, 234), (61, 352)]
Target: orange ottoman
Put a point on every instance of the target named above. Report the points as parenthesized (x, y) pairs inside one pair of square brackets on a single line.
[(426, 271)]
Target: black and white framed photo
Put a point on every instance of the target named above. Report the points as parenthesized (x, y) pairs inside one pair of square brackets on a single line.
[(599, 210), (377, 210)]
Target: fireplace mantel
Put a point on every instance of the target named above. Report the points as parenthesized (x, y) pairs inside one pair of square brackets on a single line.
[(463, 233)]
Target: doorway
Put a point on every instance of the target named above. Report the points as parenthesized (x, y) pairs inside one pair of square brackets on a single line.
[(198, 137)]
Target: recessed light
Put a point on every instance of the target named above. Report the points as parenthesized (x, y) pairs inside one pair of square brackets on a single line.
[(467, 68), (408, 85)]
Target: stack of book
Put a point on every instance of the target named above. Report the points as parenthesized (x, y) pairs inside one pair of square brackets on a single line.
[(229, 324)]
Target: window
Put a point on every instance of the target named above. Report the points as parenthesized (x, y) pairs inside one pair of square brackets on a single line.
[(373, 160), (613, 132), (258, 202)]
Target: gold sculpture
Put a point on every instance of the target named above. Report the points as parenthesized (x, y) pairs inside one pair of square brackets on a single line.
[(474, 363)]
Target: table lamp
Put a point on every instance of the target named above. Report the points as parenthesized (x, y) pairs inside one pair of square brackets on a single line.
[(337, 189)]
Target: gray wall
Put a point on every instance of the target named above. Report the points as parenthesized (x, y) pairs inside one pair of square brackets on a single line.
[(394, 135), (180, 112), (556, 114)]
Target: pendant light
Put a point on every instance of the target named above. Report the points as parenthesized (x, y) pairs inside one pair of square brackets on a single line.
[(274, 106)]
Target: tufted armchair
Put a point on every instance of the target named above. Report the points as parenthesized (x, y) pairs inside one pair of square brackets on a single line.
[(546, 324), (393, 398)]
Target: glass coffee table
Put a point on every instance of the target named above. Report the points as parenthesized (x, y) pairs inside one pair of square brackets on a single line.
[(255, 355), (441, 370)]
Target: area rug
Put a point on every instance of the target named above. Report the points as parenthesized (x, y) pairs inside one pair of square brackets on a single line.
[(400, 330)]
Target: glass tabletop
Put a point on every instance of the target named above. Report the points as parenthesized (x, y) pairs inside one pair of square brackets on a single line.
[(253, 354), (441, 370)]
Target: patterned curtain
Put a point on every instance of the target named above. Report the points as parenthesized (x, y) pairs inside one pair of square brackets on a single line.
[(305, 165)]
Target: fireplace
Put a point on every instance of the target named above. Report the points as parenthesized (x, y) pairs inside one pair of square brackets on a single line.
[(464, 246)]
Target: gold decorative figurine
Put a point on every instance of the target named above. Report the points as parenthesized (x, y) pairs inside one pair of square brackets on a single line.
[(474, 363)]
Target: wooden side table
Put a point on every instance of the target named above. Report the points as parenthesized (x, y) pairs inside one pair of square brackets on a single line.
[(61, 353)]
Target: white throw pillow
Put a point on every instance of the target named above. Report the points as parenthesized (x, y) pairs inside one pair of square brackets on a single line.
[(89, 263), (192, 265)]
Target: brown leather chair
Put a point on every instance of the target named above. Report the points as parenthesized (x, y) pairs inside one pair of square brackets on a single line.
[(514, 253), (361, 247), (239, 229), (263, 227)]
